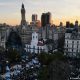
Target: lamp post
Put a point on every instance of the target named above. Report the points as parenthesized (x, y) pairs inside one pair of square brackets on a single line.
[(8, 75)]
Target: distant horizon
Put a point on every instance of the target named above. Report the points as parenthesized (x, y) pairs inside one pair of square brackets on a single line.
[(55, 21), (61, 10)]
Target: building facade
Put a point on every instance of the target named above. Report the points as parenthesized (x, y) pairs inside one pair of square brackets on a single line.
[(72, 44), (72, 41), (35, 46), (4, 33), (34, 17), (24, 29)]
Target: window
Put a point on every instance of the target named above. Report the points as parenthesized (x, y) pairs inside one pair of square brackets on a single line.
[(72, 49), (67, 42), (77, 50), (33, 49), (33, 37), (77, 42), (72, 42)]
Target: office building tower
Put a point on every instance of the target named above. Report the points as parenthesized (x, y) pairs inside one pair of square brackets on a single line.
[(45, 19), (23, 20), (67, 24), (34, 17)]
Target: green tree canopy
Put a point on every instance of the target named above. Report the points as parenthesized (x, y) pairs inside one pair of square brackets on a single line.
[(13, 55)]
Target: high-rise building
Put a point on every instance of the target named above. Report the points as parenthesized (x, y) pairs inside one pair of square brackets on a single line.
[(23, 20), (45, 19), (61, 24), (35, 22), (34, 17), (24, 29), (76, 24), (67, 24)]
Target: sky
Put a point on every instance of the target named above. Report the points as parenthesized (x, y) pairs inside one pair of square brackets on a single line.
[(61, 10)]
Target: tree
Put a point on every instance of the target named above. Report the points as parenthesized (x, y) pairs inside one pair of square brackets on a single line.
[(61, 41), (71, 25), (56, 66), (46, 58), (14, 40), (13, 55), (43, 73), (59, 70), (56, 70)]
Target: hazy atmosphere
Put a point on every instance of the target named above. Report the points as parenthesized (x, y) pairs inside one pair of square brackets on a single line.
[(62, 10)]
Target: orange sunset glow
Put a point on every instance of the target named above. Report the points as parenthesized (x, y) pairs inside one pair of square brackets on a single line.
[(61, 10)]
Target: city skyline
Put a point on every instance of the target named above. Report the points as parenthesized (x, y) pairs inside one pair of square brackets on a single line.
[(61, 10)]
